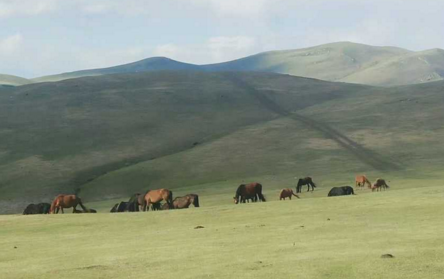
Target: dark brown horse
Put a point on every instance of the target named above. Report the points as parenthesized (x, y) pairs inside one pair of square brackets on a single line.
[(379, 185), (361, 180), (186, 201), (248, 191), (156, 196), (305, 181), (65, 201), (135, 203)]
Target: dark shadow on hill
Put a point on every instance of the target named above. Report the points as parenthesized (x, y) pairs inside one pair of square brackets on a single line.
[(363, 154)]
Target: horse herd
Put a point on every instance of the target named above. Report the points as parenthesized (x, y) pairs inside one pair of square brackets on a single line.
[(154, 198)]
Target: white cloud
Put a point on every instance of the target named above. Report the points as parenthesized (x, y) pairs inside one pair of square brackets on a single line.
[(9, 8), (11, 44), (235, 7), (226, 48)]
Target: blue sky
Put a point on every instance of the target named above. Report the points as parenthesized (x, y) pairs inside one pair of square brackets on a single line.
[(41, 37)]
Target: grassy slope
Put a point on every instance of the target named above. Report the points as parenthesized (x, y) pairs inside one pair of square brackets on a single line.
[(13, 80), (411, 68), (328, 62), (392, 133), (58, 136), (341, 237)]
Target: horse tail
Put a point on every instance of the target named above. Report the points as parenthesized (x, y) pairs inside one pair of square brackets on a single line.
[(81, 205), (259, 192), (170, 198), (196, 201)]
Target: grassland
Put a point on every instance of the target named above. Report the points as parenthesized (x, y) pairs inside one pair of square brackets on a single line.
[(108, 137), (313, 237)]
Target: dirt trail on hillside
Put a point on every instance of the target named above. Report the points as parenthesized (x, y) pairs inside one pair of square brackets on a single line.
[(363, 154)]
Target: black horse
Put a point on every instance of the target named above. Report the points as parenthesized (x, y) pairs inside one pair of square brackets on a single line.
[(41, 208), (341, 191), (305, 181)]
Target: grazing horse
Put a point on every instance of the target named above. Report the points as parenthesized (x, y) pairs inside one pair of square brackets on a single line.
[(379, 185), (155, 196), (341, 191), (65, 201), (305, 181), (41, 208), (135, 202), (248, 191), (186, 201), (287, 193), (361, 180)]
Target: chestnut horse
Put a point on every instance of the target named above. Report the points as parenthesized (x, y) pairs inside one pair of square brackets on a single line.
[(305, 181), (186, 201), (379, 185), (361, 180), (248, 191), (65, 201), (287, 193), (155, 196)]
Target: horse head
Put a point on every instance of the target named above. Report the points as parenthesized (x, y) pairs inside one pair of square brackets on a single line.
[(236, 200)]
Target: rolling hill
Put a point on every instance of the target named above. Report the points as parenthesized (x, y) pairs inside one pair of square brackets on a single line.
[(13, 80), (108, 136), (146, 65), (341, 62)]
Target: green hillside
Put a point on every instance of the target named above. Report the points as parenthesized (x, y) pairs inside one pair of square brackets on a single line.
[(343, 61), (410, 68), (13, 80), (109, 136)]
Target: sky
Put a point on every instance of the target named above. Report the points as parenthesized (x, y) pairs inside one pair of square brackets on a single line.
[(42, 37)]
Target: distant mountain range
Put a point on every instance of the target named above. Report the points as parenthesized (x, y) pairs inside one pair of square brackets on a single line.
[(13, 80), (339, 62)]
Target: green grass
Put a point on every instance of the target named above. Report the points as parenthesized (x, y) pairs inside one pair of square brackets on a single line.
[(320, 237), (109, 137)]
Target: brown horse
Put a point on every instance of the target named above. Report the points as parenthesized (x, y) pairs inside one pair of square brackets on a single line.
[(305, 181), (65, 201), (379, 185), (155, 196), (248, 191), (287, 193), (186, 201), (361, 180)]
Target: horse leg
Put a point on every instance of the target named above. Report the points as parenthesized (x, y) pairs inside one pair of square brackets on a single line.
[(148, 206), (62, 210)]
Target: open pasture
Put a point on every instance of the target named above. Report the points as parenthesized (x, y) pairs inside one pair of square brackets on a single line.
[(338, 237)]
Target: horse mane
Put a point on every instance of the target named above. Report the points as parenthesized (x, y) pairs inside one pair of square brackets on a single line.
[(239, 190)]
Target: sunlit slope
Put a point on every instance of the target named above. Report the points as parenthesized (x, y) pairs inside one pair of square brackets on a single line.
[(58, 136), (411, 68), (330, 62), (13, 80)]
